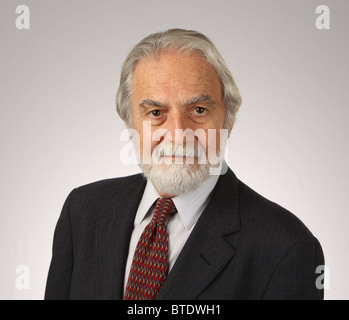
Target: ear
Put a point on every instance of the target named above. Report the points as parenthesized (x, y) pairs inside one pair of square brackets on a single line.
[(127, 126)]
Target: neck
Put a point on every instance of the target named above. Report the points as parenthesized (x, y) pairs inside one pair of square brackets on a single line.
[(164, 195)]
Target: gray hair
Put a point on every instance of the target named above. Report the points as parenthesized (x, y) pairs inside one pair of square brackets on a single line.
[(177, 40)]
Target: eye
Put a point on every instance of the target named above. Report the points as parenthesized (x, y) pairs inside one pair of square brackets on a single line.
[(155, 113), (200, 110)]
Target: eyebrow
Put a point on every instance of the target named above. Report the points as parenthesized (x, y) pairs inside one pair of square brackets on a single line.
[(194, 100), (151, 103), (200, 99)]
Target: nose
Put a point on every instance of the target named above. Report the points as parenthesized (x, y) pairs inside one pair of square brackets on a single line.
[(176, 124)]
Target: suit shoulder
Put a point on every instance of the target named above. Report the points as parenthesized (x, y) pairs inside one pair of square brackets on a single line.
[(110, 186), (270, 218), (99, 192)]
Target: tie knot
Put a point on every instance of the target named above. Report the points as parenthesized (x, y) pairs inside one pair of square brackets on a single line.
[(163, 208)]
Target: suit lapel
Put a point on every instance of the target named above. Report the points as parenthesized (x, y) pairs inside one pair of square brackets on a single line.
[(113, 236), (206, 252)]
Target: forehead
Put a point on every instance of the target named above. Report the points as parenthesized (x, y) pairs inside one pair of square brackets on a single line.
[(175, 74)]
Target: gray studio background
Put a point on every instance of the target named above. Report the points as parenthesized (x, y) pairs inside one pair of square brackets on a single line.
[(59, 128)]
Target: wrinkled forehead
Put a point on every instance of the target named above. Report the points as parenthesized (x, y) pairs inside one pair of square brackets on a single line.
[(176, 72)]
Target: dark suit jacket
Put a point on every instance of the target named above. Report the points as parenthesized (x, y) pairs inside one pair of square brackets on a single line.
[(242, 247)]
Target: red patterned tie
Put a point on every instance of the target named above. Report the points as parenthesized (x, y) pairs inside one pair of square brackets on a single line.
[(149, 266)]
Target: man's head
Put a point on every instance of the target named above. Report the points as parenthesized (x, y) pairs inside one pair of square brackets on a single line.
[(177, 82)]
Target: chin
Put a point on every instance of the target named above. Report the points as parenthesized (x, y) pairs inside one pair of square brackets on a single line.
[(176, 179)]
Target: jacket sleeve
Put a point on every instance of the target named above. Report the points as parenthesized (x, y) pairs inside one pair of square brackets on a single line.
[(60, 272), (295, 277)]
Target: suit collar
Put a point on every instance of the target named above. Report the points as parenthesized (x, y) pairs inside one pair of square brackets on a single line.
[(114, 230), (207, 249)]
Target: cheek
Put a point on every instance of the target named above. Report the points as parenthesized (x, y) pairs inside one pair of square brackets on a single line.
[(153, 144), (147, 143), (206, 139), (211, 142)]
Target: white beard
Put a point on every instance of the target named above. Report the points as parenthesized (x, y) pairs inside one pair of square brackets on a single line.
[(176, 179), (182, 175), (173, 178)]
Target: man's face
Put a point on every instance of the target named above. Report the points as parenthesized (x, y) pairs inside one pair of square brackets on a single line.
[(174, 92)]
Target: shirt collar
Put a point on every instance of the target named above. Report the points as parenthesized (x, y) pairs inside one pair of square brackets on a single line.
[(189, 205), (150, 195)]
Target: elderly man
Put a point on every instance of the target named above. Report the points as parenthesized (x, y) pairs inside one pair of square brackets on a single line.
[(187, 228)]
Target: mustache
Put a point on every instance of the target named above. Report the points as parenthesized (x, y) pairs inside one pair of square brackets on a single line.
[(178, 150), (170, 149)]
